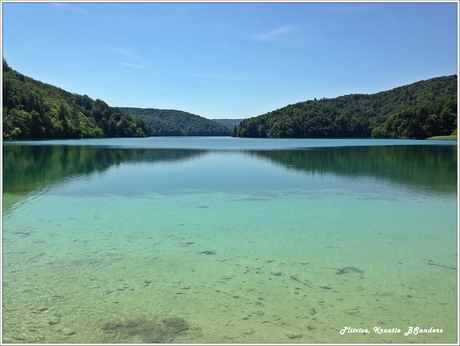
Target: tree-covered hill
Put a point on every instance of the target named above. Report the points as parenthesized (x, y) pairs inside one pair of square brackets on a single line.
[(230, 123), (419, 110), (35, 110), (169, 122), (434, 117)]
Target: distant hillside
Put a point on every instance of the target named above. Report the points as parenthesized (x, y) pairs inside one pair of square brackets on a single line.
[(168, 122), (229, 123), (35, 110), (419, 110)]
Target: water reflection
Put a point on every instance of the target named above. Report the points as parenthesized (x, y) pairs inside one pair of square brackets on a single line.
[(31, 168), (428, 167)]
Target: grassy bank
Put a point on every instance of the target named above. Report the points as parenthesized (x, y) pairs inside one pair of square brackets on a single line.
[(445, 138)]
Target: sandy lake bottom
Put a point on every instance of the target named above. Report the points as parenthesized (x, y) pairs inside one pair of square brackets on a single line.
[(224, 268)]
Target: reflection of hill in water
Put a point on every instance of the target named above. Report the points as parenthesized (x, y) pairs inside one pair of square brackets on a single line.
[(32, 168), (428, 167), (27, 168)]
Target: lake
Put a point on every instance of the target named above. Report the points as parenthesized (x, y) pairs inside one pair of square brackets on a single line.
[(229, 240)]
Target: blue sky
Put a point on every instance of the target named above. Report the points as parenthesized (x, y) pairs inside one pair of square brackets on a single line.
[(229, 60)]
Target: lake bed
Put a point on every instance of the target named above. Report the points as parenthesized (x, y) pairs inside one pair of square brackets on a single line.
[(224, 240)]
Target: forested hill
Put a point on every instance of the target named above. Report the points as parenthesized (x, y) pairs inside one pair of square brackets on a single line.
[(419, 110), (168, 122), (230, 123), (35, 110)]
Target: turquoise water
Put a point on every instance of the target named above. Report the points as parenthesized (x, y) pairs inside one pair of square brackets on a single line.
[(223, 240)]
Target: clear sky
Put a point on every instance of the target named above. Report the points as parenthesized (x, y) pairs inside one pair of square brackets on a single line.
[(229, 60)]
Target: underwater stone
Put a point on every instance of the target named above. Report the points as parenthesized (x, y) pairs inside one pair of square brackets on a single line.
[(294, 336), (54, 321), (144, 330), (208, 252), (67, 331)]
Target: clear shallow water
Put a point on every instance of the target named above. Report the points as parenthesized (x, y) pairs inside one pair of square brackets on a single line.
[(242, 241)]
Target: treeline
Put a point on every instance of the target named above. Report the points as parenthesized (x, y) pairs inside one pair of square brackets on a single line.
[(35, 110), (169, 122), (230, 123), (430, 105), (436, 117)]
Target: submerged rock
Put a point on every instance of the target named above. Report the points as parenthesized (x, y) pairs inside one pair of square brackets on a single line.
[(140, 330)]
